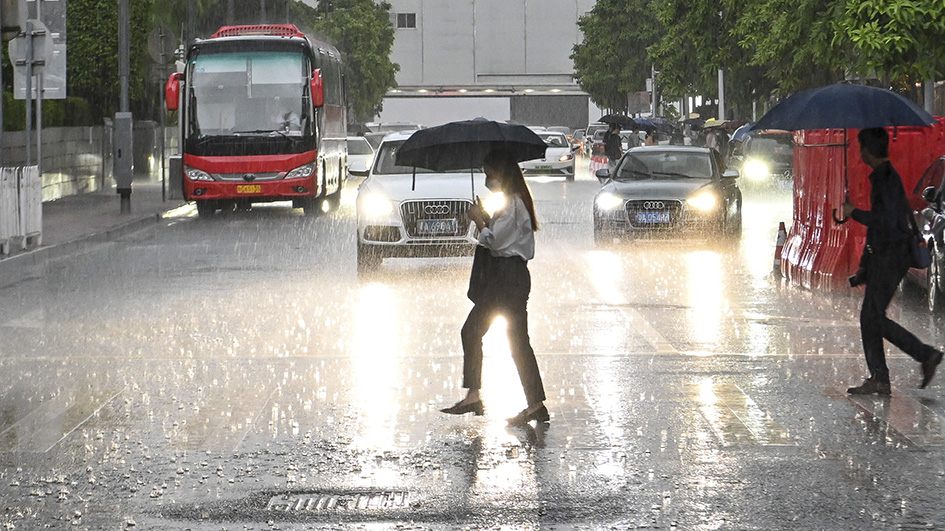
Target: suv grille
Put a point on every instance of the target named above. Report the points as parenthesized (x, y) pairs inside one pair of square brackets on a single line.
[(414, 211)]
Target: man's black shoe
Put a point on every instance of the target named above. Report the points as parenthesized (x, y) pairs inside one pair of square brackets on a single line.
[(871, 387), (929, 366)]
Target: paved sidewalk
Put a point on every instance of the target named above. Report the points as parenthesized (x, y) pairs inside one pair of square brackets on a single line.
[(77, 220)]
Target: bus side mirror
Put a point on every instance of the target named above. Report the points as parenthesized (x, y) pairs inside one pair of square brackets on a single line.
[(318, 89), (172, 91)]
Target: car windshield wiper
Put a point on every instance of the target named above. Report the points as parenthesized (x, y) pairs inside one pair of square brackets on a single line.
[(673, 174), (635, 175)]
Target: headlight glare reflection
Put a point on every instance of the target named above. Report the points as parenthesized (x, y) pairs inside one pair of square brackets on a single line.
[(375, 205), (609, 201), (756, 170), (703, 201)]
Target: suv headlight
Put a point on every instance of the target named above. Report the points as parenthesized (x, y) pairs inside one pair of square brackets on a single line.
[(374, 205), (703, 201), (301, 172), (609, 201), (196, 175)]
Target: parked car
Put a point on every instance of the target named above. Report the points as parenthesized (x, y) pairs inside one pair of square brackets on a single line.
[(928, 206), (766, 158), (407, 212), (360, 156), (558, 159), (657, 190)]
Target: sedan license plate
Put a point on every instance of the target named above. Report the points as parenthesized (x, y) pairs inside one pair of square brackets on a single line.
[(653, 217), (436, 226), (249, 188), (542, 167)]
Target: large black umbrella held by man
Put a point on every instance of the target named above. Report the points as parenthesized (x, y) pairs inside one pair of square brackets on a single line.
[(844, 106)]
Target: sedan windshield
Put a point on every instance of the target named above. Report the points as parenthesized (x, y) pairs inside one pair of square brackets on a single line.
[(385, 163), (652, 164), (554, 139)]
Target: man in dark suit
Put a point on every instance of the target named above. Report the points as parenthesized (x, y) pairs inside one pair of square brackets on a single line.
[(884, 263)]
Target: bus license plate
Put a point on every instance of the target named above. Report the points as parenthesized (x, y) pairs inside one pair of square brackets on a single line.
[(436, 226), (249, 188), (653, 217)]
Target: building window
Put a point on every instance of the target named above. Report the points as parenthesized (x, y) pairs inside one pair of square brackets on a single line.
[(406, 20)]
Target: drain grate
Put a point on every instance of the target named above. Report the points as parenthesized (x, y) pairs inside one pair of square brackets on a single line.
[(349, 501)]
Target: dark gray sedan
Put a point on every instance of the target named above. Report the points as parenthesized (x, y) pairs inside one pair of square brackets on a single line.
[(664, 190)]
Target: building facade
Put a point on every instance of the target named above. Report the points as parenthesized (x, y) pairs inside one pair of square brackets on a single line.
[(493, 58)]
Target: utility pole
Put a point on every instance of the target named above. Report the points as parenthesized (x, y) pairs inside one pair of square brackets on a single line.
[(123, 142), (721, 94), (930, 95)]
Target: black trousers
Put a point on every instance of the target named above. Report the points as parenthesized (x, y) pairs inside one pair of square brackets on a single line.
[(507, 295), (885, 271)]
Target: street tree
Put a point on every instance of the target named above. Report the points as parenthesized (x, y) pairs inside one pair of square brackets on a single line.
[(611, 60), (92, 62), (362, 31)]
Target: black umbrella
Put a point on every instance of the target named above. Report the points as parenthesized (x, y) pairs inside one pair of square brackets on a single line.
[(844, 106), (465, 144), (618, 119)]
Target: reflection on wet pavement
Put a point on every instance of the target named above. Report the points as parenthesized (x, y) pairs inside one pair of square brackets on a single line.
[(244, 377)]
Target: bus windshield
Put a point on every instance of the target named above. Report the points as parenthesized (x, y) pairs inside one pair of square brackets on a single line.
[(248, 94)]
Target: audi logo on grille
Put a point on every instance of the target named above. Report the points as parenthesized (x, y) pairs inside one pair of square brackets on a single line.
[(436, 209), (653, 205)]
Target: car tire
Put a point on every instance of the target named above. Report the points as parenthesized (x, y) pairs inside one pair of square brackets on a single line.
[(936, 301), (368, 260)]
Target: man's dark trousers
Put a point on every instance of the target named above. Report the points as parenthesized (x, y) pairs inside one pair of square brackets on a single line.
[(885, 271)]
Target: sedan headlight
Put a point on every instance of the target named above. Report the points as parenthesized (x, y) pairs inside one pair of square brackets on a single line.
[(375, 205), (564, 158), (609, 201), (196, 175), (704, 201), (756, 170), (301, 172)]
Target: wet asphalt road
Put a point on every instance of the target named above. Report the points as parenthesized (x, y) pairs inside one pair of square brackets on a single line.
[(236, 373)]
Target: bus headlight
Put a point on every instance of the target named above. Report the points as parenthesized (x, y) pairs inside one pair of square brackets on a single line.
[(756, 170), (609, 201), (376, 206), (196, 175), (301, 172), (703, 201)]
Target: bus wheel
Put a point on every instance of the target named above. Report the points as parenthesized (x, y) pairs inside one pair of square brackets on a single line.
[(205, 209), (312, 206)]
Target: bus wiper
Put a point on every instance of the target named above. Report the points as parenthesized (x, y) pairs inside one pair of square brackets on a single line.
[(261, 131)]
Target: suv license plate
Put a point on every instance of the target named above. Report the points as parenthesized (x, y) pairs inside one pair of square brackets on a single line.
[(653, 217), (436, 226)]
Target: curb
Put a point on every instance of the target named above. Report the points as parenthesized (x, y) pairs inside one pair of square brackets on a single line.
[(16, 267)]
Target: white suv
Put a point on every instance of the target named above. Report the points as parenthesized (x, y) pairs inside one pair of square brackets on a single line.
[(407, 212)]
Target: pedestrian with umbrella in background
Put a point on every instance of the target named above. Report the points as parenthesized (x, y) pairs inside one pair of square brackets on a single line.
[(500, 282), (886, 256)]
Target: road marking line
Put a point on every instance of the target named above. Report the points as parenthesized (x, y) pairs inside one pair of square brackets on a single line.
[(736, 419)]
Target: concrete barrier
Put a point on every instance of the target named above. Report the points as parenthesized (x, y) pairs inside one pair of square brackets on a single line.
[(21, 209)]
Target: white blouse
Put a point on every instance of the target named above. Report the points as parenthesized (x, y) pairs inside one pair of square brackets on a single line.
[(510, 233)]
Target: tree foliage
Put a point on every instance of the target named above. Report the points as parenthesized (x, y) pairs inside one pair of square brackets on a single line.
[(92, 54), (612, 59), (767, 48), (362, 31)]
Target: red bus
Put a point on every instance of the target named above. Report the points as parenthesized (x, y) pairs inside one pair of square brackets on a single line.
[(262, 118)]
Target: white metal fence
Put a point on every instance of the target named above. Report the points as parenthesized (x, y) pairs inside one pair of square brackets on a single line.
[(21, 208)]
